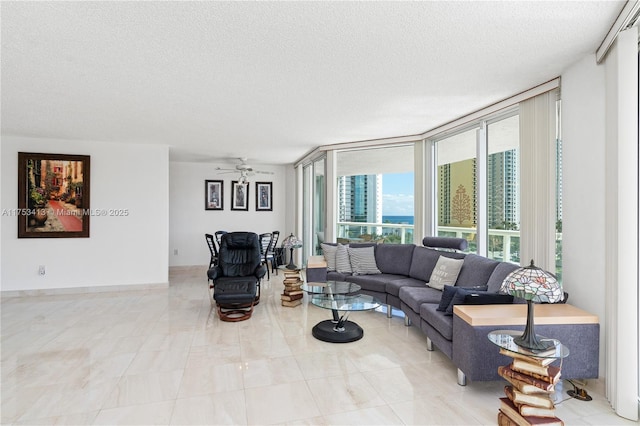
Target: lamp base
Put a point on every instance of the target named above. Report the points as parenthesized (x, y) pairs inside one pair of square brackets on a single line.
[(291, 265), (532, 343), (529, 340)]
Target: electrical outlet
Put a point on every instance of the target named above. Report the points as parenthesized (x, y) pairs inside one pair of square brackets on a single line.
[(175, 252), (41, 270)]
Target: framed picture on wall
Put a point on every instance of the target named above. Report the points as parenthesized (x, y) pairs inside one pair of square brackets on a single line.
[(213, 195), (264, 196), (239, 196), (53, 195)]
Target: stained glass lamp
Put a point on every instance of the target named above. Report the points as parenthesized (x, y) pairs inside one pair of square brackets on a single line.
[(291, 243), (533, 285)]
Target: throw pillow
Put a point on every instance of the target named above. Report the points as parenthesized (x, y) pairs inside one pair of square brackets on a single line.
[(343, 264), (329, 253), (363, 261), (445, 272), (447, 294), (459, 297)]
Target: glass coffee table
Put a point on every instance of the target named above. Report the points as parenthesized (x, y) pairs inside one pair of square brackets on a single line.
[(343, 297)]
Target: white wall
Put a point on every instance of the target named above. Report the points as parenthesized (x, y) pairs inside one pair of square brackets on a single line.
[(189, 221), (583, 224), (129, 250)]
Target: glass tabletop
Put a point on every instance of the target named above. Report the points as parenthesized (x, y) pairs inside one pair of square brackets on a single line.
[(331, 287), (360, 302), (504, 339)]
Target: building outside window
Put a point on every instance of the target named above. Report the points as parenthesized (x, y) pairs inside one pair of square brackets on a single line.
[(366, 210)]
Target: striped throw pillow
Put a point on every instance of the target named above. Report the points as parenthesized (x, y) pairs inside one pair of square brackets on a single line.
[(343, 265), (329, 253), (363, 261)]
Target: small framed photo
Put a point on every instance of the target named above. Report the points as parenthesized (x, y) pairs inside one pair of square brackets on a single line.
[(239, 196), (264, 196), (213, 195), (53, 195)]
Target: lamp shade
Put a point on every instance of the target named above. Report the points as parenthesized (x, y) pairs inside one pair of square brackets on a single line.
[(291, 242), (534, 284)]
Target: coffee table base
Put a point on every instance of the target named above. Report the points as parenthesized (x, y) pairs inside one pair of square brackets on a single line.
[(324, 331)]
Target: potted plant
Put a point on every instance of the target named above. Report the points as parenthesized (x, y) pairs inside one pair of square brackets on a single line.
[(38, 199)]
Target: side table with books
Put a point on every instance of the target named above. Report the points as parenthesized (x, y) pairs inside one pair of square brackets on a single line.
[(532, 377), (292, 294)]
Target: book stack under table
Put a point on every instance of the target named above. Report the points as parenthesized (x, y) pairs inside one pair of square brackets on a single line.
[(292, 294), (529, 395)]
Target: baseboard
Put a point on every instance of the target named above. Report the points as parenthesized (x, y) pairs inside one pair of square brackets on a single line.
[(82, 290), (179, 268)]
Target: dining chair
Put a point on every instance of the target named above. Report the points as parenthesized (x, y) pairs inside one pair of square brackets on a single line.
[(212, 249), (214, 257), (265, 247), (218, 235), (273, 255)]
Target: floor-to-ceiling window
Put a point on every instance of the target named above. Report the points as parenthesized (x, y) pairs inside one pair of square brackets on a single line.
[(463, 180), (314, 206), (375, 194), (503, 189), (486, 213), (558, 191), (456, 193), (319, 190)]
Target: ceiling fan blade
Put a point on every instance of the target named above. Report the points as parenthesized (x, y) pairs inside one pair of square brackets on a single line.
[(264, 173)]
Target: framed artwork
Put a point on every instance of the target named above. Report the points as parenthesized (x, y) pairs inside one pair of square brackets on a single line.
[(53, 195), (264, 196), (239, 195), (213, 195)]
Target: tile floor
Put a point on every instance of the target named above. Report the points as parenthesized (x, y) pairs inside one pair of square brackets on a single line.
[(162, 356)]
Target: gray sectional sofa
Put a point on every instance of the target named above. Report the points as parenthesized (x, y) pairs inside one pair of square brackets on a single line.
[(405, 270)]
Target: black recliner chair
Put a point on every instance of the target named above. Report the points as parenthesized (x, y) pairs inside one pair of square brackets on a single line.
[(236, 277)]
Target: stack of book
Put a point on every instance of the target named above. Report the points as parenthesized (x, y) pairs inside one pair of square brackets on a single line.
[(292, 294), (529, 395)]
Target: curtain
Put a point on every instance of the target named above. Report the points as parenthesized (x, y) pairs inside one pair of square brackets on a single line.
[(621, 219), (538, 180)]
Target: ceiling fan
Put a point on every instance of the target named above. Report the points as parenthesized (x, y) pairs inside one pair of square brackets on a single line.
[(245, 170)]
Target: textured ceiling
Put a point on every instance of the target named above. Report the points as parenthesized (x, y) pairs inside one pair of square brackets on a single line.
[(272, 80)]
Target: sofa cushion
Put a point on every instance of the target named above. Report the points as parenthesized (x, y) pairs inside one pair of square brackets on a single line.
[(424, 260), (329, 253), (499, 274), (337, 276), (438, 320), (476, 271), (416, 296), (445, 272), (393, 287), (376, 282), (363, 261), (343, 264), (394, 258)]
